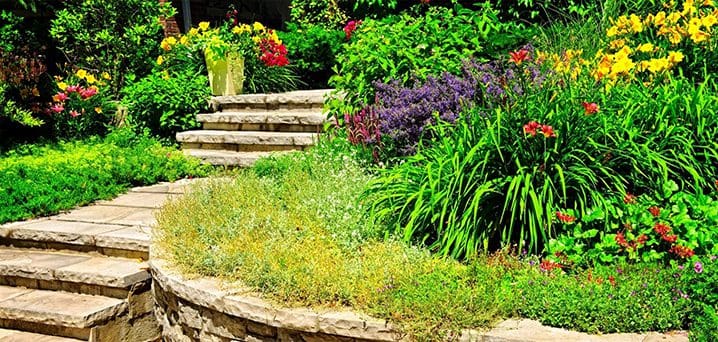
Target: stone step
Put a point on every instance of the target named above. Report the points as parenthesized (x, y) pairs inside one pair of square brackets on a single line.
[(227, 158), (277, 121), (7, 335), (246, 141), (71, 272), (304, 99), (82, 230), (56, 313)]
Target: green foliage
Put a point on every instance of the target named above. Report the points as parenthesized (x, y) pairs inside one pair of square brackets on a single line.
[(10, 35), (166, 104), (118, 37), (43, 180), (260, 78), (10, 110), (329, 14), (312, 52), (410, 48), (607, 300)]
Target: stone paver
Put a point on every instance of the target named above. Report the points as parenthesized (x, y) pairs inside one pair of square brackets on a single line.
[(60, 308), (138, 200), (22, 336)]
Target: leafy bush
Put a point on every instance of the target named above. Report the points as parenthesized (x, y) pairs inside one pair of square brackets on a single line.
[(166, 104), (312, 51), (651, 228), (407, 48), (43, 180), (329, 14), (118, 37)]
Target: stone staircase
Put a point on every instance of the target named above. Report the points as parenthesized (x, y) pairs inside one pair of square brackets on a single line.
[(82, 275), (244, 128)]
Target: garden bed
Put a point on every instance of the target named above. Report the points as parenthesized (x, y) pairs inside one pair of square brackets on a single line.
[(205, 309)]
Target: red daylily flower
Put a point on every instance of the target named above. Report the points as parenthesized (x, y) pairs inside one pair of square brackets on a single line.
[(670, 238), (590, 108), (621, 240), (565, 218), (74, 114), (548, 131), (531, 127), (655, 211), (629, 198), (519, 57)]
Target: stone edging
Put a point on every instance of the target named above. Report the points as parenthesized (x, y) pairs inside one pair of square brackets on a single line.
[(192, 307)]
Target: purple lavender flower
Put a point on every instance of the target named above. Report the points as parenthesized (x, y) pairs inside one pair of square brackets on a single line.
[(698, 267)]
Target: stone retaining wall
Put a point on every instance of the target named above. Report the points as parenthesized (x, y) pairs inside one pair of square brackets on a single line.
[(201, 310)]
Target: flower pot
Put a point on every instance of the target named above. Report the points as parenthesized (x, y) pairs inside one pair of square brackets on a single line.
[(226, 74)]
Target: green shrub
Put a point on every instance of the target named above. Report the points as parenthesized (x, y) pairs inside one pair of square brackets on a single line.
[(43, 180), (166, 104), (118, 37), (656, 227), (409, 48), (312, 52)]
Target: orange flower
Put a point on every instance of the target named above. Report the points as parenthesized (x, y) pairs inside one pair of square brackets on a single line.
[(590, 108)]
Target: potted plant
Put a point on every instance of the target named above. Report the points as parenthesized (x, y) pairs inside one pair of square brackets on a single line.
[(226, 51)]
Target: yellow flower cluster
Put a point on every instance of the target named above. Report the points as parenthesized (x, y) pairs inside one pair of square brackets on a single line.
[(88, 77), (653, 43), (570, 62)]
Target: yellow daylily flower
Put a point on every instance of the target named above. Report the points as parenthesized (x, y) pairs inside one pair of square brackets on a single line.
[(675, 57), (81, 73), (257, 26), (160, 60), (647, 47), (62, 85), (106, 75), (90, 79), (203, 26), (98, 110)]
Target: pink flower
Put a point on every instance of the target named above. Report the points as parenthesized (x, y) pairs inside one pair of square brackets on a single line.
[(351, 27), (72, 89), (57, 108), (88, 93), (60, 97), (74, 114)]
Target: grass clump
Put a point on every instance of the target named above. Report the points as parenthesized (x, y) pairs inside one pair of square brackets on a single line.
[(38, 180)]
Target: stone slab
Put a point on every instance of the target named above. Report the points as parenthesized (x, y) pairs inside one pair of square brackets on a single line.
[(177, 187), (7, 292), (7, 335), (105, 271), (35, 264), (299, 117), (227, 158), (60, 308), (139, 200), (136, 238), (96, 214), (144, 217), (67, 232), (248, 138)]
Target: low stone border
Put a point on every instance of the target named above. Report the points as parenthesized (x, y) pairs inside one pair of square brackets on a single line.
[(202, 310)]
